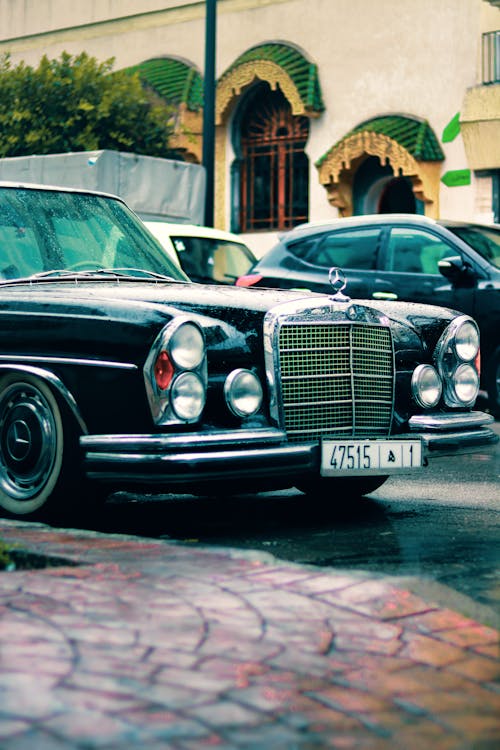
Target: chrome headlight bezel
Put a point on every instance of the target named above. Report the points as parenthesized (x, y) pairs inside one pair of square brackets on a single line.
[(466, 340), (187, 396), (457, 347), (426, 386), (465, 381), (186, 346), (243, 392), (179, 348)]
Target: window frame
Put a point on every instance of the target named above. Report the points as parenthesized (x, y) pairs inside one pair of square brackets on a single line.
[(271, 144)]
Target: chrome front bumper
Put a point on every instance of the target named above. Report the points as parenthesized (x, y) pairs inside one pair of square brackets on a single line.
[(259, 455), (448, 434)]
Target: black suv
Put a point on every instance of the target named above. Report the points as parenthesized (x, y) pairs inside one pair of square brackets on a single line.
[(399, 256)]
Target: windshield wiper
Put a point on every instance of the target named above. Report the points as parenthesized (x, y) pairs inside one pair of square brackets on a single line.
[(68, 273), (132, 272)]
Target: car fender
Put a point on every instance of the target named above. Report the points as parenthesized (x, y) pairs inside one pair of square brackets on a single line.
[(56, 385)]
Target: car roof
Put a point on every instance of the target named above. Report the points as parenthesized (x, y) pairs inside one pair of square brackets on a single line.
[(349, 221), (314, 227), (191, 230)]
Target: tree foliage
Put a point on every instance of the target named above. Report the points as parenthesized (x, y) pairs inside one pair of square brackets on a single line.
[(75, 103)]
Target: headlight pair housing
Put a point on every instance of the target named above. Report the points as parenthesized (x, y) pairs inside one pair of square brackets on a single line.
[(454, 374), (175, 373)]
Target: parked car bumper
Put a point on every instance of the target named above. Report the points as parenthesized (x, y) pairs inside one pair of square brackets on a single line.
[(446, 434), (193, 459)]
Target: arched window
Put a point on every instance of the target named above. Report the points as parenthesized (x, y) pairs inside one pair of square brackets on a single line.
[(272, 171)]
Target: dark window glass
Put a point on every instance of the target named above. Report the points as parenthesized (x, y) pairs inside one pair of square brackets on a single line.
[(485, 241), (352, 249), (415, 251), (210, 259)]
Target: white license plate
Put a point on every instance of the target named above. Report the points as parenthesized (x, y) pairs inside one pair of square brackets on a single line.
[(362, 456)]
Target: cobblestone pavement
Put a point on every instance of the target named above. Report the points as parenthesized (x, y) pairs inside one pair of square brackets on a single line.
[(153, 645)]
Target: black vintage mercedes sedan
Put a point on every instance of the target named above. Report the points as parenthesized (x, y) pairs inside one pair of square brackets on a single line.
[(118, 373)]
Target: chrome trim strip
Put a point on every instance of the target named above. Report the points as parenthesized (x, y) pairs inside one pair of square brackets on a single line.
[(177, 468), (54, 381), (441, 422), (160, 443), (67, 361)]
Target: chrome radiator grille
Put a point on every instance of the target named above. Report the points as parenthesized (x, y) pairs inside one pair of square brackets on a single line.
[(336, 380)]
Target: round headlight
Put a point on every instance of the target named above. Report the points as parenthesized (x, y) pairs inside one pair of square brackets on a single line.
[(243, 392), (466, 341), (186, 346), (466, 384), (426, 386), (187, 396)]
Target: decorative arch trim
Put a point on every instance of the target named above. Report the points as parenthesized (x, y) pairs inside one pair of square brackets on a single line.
[(180, 84), (408, 146), (175, 80), (352, 147), (279, 65)]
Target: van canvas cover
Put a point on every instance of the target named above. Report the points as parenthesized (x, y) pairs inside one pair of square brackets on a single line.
[(154, 188)]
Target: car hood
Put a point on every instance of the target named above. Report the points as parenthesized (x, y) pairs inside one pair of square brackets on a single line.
[(110, 313), (128, 297)]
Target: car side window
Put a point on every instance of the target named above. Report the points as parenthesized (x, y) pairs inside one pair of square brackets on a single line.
[(356, 248), (416, 251), (209, 258), (193, 257)]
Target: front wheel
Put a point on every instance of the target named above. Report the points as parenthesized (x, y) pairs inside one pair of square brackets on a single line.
[(33, 458), (333, 487)]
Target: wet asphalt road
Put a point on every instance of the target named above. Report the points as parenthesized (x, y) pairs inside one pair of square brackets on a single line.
[(438, 529)]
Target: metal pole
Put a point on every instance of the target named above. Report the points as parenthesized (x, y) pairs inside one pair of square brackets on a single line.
[(209, 109)]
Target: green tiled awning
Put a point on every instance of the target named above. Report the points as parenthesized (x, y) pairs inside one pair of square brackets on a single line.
[(174, 80), (416, 136), (301, 71)]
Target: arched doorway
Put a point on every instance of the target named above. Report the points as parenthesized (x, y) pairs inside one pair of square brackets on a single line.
[(375, 167), (271, 171), (376, 190), (397, 197)]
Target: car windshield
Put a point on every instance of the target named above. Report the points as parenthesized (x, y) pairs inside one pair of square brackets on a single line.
[(484, 240), (55, 230)]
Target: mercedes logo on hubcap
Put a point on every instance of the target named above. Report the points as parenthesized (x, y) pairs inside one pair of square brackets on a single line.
[(18, 440)]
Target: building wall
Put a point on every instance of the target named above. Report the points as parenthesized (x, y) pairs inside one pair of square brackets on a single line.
[(374, 58)]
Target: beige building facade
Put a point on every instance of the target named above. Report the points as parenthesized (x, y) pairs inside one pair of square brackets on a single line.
[(341, 106)]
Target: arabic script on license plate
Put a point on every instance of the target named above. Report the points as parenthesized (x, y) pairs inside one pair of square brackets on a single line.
[(360, 456)]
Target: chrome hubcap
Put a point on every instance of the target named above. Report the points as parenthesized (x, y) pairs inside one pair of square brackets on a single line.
[(27, 441)]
